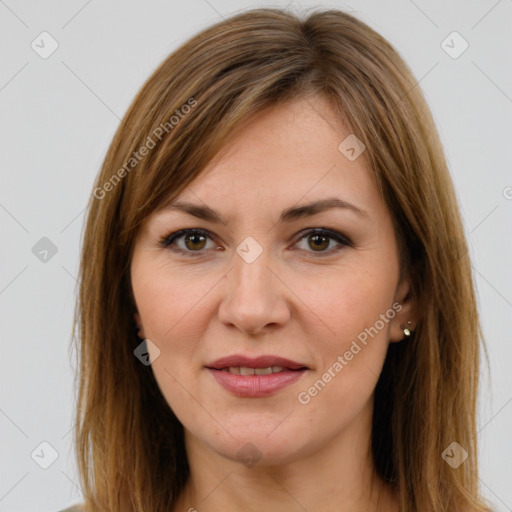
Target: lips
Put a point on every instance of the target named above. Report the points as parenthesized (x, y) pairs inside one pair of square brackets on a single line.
[(239, 361), (255, 377)]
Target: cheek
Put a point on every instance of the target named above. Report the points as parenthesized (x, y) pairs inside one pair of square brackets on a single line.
[(170, 303), (351, 302), (357, 308)]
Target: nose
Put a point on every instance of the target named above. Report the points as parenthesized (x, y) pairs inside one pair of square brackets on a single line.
[(255, 299)]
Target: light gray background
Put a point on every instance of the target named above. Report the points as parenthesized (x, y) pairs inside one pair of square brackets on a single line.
[(58, 115)]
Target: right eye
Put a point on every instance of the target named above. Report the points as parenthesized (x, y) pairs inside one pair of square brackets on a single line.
[(193, 241)]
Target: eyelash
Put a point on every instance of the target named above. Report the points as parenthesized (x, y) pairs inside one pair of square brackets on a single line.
[(166, 241)]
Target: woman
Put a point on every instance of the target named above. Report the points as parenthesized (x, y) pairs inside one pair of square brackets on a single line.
[(276, 305)]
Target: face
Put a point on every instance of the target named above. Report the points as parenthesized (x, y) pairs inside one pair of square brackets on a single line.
[(269, 327)]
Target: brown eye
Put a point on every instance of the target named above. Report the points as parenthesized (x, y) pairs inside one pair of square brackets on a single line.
[(194, 241), (190, 242), (320, 242)]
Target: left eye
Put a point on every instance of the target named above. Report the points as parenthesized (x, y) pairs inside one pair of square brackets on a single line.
[(195, 240), (321, 239)]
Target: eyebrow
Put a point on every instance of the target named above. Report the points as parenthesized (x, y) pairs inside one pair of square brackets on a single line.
[(288, 215)]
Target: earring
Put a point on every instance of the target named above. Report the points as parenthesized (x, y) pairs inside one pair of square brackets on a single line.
[(407, 330)]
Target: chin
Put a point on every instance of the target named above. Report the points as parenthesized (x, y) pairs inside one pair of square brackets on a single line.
[(261, 447)]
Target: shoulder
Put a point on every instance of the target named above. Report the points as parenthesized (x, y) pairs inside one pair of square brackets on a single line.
[(74, 508)]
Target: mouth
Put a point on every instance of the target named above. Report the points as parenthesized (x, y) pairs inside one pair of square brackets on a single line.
[(274, 363), (245, 370), (255, 377)]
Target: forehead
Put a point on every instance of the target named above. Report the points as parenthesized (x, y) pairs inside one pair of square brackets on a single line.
[(287, 153)]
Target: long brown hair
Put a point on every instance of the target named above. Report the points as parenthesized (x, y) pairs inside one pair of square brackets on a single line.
[(130, 447)]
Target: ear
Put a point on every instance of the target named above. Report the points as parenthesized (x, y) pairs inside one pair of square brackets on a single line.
[(138, 321), (406, 311)]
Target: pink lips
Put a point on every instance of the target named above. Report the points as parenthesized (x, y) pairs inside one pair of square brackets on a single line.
[(255, 385)]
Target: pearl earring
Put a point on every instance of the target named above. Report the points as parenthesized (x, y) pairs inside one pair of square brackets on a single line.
[(407, 330)]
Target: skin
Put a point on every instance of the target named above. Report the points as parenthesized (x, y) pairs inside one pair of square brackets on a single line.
[(295, 300)]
